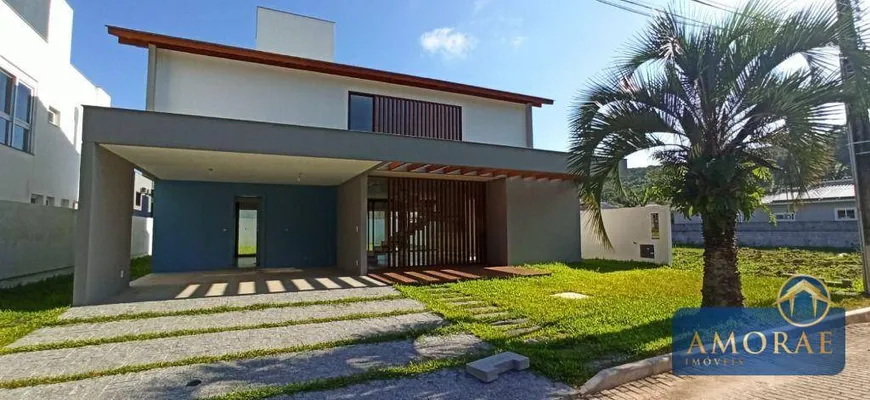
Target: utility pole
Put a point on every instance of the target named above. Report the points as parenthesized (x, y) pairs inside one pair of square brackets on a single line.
[(858, 123)]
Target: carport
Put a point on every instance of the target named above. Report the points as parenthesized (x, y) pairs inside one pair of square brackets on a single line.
[(311, 187)]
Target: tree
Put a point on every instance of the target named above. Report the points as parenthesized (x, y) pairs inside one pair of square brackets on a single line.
[(718, 105)]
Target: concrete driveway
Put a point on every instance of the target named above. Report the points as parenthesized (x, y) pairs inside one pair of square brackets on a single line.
[(214, 345), (851, 384)]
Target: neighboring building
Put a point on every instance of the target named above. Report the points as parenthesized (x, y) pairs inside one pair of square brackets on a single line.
[(325, 164), (143, 195), (41, 98), (824, 217)]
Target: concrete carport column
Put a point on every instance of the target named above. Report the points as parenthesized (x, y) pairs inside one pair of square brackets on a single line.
[(103, 225), (352, 240)]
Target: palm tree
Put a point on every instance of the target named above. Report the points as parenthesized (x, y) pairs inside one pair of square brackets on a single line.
[(717, 105)]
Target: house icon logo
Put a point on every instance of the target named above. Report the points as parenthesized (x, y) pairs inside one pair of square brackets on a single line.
[(804, 300)]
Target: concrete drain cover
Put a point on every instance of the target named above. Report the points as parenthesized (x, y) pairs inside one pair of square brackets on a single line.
[(570, 295), (194, 382)]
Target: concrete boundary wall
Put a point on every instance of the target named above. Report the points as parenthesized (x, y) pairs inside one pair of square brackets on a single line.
[(142, 235), (38, 242), (827, 234), (628, 230), (35, 241)]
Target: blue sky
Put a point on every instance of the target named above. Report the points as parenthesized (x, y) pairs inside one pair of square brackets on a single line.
[(543, 48)]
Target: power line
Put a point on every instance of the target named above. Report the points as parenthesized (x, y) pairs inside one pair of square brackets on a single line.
[(631, 10), (714, 5), (726, 9), (656, 9), (685, 20)]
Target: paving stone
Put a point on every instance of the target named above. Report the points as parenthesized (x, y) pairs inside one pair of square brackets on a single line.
[(212, 302), (482, 310), (456, 299), (229, 319), (450, 384), (466, 303), (491, 315), (102, 357), (488, 369), (508, 322), (221, 378), (523, 330)]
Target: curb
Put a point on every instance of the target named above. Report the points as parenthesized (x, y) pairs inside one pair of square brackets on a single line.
[(615, 376)]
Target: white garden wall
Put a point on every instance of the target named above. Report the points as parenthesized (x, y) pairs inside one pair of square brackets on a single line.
[(141, 236), (628, 230)]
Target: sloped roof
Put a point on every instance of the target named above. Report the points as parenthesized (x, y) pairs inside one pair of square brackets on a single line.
[(144, 39), (832, 190)]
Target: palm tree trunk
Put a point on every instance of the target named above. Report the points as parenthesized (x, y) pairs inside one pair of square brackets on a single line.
[(721, 287)]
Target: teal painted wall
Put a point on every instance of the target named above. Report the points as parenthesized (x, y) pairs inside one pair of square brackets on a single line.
[(194, 225)]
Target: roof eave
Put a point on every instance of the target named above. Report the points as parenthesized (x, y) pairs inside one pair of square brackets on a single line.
[(144, 39)]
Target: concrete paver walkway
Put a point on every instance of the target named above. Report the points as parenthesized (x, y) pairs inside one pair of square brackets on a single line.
[(221, 378), (102, 357), (449, 384), (221, 320), (235, 301), (848, 385)]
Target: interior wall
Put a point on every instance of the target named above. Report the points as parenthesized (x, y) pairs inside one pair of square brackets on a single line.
[(103, 226), (352, 204), (543, 221), (194, 225)]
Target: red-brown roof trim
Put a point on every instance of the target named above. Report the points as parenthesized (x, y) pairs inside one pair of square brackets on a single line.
[(144, 39)]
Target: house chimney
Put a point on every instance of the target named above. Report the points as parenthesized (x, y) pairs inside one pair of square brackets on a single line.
[(294, 35)]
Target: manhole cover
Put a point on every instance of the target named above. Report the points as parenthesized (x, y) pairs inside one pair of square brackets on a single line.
[(194, 382), (570, 295)]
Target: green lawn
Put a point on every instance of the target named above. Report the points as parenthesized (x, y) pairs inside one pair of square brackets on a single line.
[(628, 314), (29, 307), (830, 265)]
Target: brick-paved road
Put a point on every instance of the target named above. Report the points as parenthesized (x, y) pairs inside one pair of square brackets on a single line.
[(850, 384)]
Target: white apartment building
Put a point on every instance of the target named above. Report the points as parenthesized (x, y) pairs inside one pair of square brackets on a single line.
[(41, 99)]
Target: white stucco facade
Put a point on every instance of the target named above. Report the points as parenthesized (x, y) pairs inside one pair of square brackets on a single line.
[(295, 35), (201, 85), (51, 169)]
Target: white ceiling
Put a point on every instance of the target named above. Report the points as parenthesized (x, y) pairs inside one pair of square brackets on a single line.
[(218, 166)]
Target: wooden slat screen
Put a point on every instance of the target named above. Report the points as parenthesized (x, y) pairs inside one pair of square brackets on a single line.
[(434, 223), (416, 118)]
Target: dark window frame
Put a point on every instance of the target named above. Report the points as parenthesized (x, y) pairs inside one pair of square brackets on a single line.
[(360, 94), (406, 102), (12, 119), (8, 116)]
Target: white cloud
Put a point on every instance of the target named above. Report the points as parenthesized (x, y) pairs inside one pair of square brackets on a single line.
[(447, 42), (518, 41), (479, 5)]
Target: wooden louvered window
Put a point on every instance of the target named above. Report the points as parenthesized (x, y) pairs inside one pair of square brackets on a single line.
[(427, 222), (384, 114)]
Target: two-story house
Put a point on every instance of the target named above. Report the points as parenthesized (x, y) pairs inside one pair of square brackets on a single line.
[(280, 157), (41, 98)]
